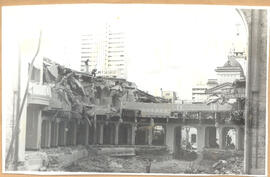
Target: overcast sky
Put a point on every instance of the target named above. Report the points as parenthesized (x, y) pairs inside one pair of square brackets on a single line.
[(168, 46)]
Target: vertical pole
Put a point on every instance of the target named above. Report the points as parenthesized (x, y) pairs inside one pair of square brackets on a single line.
[(20, 110), (17, 112), (247, 146)]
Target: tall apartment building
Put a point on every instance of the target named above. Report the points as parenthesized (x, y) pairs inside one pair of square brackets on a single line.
[(105, 51), (198, 93)]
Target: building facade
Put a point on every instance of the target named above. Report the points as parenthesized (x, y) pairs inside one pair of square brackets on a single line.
[(105, 51), (169, 95), (198, 94)]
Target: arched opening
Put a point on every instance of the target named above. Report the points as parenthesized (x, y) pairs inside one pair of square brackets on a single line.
[(141, 135), (92, 135), (230, 138), (158, 135), (54, 134), (62, 133), (71, 133), (81, 133), (124, 134), (109, 133), (185, 143), (69, 129)]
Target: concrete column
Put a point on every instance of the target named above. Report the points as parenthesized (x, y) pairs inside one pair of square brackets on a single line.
[(101, 127), (62, 133), (200, 117), (133, 134), (150, 132), (207, 144), (112, 133), (53, 129), (116, 133), (146, 136), (86, 133), (65, 134), (220, 137), (56, 133), (33, 128), (150, 136), (201, 138), (74, 133), (239, 136), (170, 137), (39, 124), (48, 133)]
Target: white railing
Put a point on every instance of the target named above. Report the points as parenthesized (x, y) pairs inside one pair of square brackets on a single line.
[(39, 90)]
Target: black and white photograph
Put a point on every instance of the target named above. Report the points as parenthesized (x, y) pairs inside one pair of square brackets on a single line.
[(137, 89)]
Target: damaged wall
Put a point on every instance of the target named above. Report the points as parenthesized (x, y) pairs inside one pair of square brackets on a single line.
[(255, 112)]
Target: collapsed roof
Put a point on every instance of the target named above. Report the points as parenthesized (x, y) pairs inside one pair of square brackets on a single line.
[(85, 94)]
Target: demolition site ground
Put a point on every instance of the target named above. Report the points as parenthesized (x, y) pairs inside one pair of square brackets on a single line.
[(150, 161)]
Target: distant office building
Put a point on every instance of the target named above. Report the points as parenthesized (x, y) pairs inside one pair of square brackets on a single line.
[(169, 95), (198, 93), (105, 51)]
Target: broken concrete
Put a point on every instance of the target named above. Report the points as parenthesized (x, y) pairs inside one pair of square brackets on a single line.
[(54, 158)]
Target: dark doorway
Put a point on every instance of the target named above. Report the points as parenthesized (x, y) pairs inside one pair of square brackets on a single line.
[(123, 134), (140, 137)]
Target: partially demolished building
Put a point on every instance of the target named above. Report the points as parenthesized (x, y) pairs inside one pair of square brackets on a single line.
[(82, 109), (69, 108)]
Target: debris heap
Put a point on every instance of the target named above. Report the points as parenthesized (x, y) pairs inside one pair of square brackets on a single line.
[(83, 95)]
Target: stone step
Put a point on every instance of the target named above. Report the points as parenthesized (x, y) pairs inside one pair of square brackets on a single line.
[(116, 151)]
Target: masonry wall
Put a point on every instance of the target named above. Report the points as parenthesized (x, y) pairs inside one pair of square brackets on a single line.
[(255, 129)]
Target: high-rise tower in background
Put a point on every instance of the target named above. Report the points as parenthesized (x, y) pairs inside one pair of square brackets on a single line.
[(104, 50)]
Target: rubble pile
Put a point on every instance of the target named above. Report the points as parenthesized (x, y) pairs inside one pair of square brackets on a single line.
[(233, 165), (103, 163), (60, 157), (84, 94)]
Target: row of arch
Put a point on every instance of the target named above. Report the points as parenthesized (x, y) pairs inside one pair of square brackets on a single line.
[(73, 132), (210, 137)]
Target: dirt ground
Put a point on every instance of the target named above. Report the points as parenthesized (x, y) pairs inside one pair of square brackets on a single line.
[(138, 164)]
